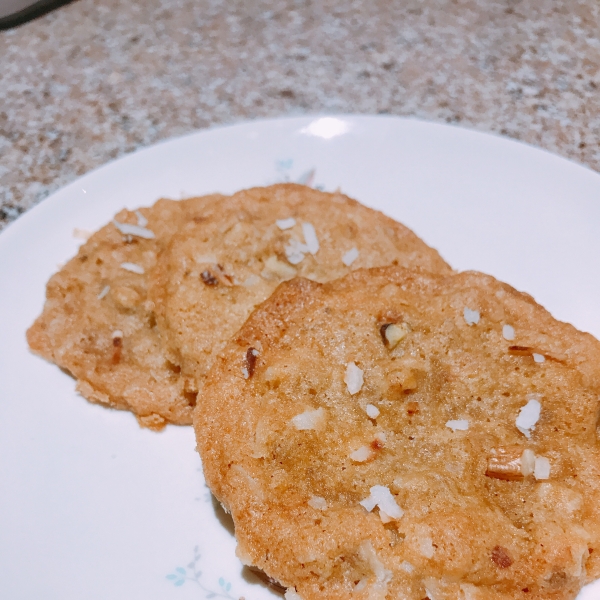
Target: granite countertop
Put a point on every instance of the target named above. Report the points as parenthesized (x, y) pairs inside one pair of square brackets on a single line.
[(95, 80)]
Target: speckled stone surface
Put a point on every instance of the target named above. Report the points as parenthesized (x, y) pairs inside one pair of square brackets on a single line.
[(97, 79)]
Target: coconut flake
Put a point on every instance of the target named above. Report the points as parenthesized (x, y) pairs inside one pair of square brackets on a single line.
[(369, 503), (252, 280), (142, 221), (363, 454), (310, 237), (206, 259), (529, 416), (82, 234), (104, 291), (538, 358), (318, 503), (350, 256), (367, 553), (407, 567), (291, 594), (277, 268), (372, 411), (542, 468), (309, 419), (471, 316), (127, 229), (284, 224), (458, 424), (426, 547), (381, 437), (295, 251), (385, 518), (354, 378), (527, 462), (382, 497), (117, 334), (128, 266), (508, 332)]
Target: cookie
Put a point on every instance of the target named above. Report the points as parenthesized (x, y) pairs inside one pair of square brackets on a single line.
[(217, 270), (400, 434), (99, 324)]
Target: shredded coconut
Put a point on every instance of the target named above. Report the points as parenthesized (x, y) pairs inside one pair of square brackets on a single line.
[(527, 462), (295, 251), (254, 484), (368, 554), (471, 316), (127, 229), (469, 590), (363, 454), (318, 503), (270, 374), (458, 424), (252, 280), (354, 378), (274, 266), (104, 291), (310, 237), (350, 256), (508, 332), (309, 419), (245, 372), (542, 468), (426, 547), (381, 437), (142, 221), (382, 497), (528, 416), (538, 358), (372, 411), (291, 594), (205, 259), (284, 224), (117, 333), (133, 268), (82, 234), (406, 566)]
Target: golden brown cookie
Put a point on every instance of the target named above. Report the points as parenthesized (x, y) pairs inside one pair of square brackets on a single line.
[(217, 270), (99, 324), (399, 434)]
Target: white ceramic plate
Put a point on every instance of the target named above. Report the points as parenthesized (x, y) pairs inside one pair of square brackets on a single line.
[(93, 507)]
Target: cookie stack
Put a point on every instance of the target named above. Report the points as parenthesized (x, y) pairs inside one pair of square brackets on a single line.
[(378, 425)]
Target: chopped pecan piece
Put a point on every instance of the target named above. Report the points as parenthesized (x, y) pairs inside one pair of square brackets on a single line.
[(209, 278), (501, 558), (215, 275), (117, 342), (251, 355), (520, 350), (536, 354), (412, 408), (393, 333), (505, 463), (403, 381)]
